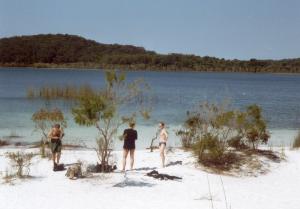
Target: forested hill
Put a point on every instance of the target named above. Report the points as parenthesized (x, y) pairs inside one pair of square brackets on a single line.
[(73, 51)]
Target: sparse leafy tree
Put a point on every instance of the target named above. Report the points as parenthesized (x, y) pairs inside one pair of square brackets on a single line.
[(101, 109), (44, 119)]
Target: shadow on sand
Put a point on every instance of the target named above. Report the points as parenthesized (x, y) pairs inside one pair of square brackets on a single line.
[(145, 169), (173, 163), (132, 183)]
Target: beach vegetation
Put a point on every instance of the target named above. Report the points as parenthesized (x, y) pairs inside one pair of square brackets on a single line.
[(20, 163), (100, 108), (44, 119), (216, 133)]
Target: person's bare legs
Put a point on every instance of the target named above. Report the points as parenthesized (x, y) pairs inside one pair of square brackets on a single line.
[(162, 154), (125, 153), (53, 157), (58, 157), (131, 158)]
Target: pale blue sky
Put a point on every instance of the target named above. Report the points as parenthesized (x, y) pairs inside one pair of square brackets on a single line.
[(231, 29)]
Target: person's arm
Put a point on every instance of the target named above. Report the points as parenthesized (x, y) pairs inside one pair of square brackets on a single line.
[(166, 134), (136, 135), (49, 134), (124, 135)]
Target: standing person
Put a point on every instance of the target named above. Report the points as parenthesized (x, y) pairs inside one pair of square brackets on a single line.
[(163, 137), (55, 135), (129, 136)]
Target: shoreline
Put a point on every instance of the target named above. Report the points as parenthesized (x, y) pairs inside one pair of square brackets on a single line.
[(86, 137), (73, 68)]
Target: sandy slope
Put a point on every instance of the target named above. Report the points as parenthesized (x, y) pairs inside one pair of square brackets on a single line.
[(279, 189)]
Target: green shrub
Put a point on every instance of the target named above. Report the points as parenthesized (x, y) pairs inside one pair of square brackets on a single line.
[(213, 152), (237, 143), (45, 150), (296, 143), (212, 129), (255, 127), (185, 138)]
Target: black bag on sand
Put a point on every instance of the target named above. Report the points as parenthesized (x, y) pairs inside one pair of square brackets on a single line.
[(59, 167)]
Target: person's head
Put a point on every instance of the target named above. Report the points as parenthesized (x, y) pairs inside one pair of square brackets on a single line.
[(132, 124), (57, 126), (161, 125)]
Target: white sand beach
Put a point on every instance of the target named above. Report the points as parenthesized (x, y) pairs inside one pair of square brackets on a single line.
[(277, 189)]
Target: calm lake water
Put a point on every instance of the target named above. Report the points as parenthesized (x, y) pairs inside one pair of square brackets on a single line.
[(174, 94)]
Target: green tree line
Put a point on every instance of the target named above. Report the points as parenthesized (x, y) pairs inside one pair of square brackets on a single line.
[(63, 50)]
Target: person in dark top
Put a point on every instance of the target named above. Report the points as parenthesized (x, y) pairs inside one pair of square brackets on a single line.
[(129, 136)]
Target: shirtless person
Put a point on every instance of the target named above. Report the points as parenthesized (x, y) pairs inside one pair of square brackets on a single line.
[(55, 135), (163, 137)]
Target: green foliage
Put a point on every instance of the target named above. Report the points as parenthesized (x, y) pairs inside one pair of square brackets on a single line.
[(209, 145), (73, 51), (208, 119), (237, 143), (213, 130), (44, 119), (212, 152), (252, 126), (296, 143), (187, 139), (91, 109), (100, 108), (68, 92)]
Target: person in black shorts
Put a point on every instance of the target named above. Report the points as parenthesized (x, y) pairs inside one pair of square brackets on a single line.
[(129, 136), (55, 135)]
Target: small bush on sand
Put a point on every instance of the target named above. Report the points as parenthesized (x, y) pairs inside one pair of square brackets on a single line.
[(45, 150), (296, 143), (212, 152), (217, 134), (185, 138), (209, 146), (20, 163), (8, 177)]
